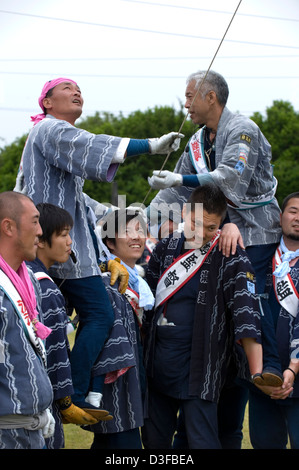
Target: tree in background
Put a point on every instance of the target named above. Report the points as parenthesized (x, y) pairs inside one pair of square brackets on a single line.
[(280, 126), (131, 177)]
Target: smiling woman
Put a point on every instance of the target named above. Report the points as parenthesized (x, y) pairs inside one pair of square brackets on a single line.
[(118, 373), (129, 239)]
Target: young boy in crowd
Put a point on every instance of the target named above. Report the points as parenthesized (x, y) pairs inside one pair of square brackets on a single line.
[(55, 246), (119, 373)]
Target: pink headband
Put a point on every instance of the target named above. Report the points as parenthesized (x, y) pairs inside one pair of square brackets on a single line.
[(48, 86)]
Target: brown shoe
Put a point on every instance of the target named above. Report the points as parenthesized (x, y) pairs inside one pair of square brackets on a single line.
[(272, 379), (268, 377)]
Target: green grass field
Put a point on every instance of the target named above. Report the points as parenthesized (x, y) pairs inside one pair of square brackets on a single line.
[(77, 438)]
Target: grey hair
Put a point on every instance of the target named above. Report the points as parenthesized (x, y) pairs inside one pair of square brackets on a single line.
[(213, 81)]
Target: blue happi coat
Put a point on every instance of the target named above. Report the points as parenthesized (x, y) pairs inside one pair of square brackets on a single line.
[(123, 396), (286, 327), (225, 309), (57, 347), (25, 387), (57, 159), (246, 182)]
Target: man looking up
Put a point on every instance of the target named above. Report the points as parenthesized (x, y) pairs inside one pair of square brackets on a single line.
[(57, 158)]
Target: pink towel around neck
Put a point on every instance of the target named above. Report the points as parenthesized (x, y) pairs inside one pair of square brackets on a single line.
[(23, 285)]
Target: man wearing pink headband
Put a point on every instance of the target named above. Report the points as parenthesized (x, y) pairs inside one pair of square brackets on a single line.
[(57, 158), (46, 88)]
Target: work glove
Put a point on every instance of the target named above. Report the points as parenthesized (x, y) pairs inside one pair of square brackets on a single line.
[(140, 211), (165, 179), (49, 428), (118, 271), (165, 144), (75, 415)]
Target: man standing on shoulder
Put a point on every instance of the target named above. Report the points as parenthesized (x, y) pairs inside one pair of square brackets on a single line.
[(57, 158), (229, 151), (25, 389)]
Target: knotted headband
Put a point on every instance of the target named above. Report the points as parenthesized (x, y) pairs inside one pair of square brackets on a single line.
[(48, 86)]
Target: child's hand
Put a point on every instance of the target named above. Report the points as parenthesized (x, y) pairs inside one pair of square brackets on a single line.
[(288, 379)]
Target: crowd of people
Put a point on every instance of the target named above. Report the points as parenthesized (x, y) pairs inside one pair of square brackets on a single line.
[(169, 354)]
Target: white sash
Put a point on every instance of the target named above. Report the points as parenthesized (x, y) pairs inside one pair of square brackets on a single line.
[(285, 291), (7, 286), (42, 275), (133, 299), (197, 156), (197, 151), (181, 270)]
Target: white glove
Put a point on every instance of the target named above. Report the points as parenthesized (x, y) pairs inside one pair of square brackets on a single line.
[(94, 398), (165, 179), (165, 144), (139, 210), (49, 428)]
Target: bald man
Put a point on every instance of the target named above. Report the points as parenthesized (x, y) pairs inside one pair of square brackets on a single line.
[(25, 389)]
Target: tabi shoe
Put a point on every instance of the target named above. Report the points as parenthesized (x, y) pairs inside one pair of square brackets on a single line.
[(269, 377)]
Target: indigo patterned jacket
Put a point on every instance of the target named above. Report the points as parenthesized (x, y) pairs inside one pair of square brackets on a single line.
[(25, 387), (226, 311), (249, 181), (57, 159)]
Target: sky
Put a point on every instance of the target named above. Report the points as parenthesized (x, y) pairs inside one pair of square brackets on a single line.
[(129, 55)]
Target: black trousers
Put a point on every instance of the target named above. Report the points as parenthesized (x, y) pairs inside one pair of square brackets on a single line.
[(200, 418)]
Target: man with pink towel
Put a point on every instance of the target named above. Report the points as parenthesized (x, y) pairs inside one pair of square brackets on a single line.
[(57, 158), (25, 389)]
